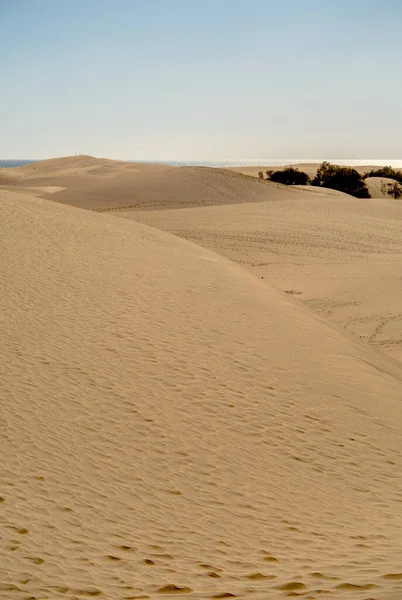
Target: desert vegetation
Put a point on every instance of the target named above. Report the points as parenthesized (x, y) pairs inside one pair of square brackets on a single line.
[(343, 179), (392, 189), (289, 176), (387, 171)]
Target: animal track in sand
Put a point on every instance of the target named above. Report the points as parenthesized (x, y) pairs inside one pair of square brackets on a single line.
[(292, 586), (173, 589), (355, 586), (89, 592), (35, 560), (260, 576)]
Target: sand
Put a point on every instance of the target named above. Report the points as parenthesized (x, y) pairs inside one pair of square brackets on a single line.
[(174, 425), (376, 184), (174, 187), (94, 184), (72, 172), (339, 255)]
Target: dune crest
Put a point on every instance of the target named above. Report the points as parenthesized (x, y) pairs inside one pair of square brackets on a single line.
[(106, 185), (171, 188), (175, 426), (69, 172)]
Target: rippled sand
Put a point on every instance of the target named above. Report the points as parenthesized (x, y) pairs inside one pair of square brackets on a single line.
[(171, 424)]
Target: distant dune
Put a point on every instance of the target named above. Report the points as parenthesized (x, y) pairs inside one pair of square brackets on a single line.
[(67, 164), (337, 254), (174, 187), (71, 172), (173, 425), (375, 184), (101, 184)]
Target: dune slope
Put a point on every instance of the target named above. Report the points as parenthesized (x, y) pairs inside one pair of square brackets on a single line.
[(102, 184), (67, 165), (338, 254), (70, 172), (172, 426), (106, 185), (176, 187)]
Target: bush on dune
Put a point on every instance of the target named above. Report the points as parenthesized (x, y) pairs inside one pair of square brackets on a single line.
[(343, 179), (289, 176), (392, 189), (387, 172)]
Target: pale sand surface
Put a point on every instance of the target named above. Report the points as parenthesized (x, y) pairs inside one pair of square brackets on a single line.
[(316, 190), (75, 165), (173, 424), (70, 172), (99, 183), (340, 255), (174, 187)]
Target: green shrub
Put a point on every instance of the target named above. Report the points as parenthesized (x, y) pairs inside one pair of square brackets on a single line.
[(388, 172), (343, 179), (289, 176), (392, 189)]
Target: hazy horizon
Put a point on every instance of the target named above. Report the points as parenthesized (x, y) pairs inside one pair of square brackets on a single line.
[(395, 163), (201, 81)]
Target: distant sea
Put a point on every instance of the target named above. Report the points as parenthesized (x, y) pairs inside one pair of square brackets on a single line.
[(252, 162), (246, 162), (5, 164)]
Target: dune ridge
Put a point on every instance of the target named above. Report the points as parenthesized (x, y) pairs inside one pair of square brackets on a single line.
[(70, 172), (105, 185), (172, 425), (331, 251), (174, 187), (337, 254)]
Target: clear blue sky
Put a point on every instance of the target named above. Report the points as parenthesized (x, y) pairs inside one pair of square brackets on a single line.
[(201, 79)]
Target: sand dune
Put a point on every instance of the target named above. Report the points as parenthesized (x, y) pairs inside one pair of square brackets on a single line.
[(338, 254), (71, 172), (174, 426), (375, 185), (176, 187), (68, 164), (4, 179), (95, 184), (318, 190)]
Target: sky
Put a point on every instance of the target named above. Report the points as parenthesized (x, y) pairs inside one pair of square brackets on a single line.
[(201, 79)]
